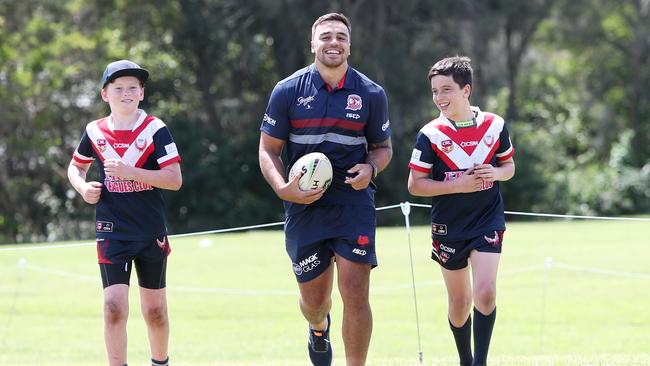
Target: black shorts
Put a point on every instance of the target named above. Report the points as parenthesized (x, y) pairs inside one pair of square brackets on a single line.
[(453, 255), (148, 256), (315, 234)]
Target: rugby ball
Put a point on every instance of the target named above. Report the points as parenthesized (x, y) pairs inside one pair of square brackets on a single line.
[(316, 169)]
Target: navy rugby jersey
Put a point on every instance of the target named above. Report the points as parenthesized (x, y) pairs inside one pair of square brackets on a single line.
[(340, 123), (127, 209), (445, 151)]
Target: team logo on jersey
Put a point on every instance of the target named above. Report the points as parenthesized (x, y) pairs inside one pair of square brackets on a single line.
[(101, 145), (140, 143), (354, 102), (268, 119), (489, 140), (439, 229), (468, 144), (385, 126), (302, 101), (104, 226), (446, 146)]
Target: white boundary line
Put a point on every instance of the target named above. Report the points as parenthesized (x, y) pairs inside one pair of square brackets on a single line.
[(241, 228), (606, 272), (375, 289)]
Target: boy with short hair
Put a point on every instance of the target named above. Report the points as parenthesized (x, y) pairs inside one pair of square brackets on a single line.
[(137, 158), (458, 160)]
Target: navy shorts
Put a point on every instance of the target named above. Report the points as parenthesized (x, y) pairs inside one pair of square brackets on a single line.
[(116, 257), (453, 255), (315, 234)]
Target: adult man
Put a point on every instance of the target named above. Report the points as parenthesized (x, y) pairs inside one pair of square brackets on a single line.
[(331, 108)]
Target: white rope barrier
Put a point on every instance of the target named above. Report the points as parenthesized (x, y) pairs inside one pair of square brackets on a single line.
[(252, 227), (562, 216)]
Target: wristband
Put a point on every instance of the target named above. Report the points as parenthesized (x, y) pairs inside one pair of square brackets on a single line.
[(375, 170)]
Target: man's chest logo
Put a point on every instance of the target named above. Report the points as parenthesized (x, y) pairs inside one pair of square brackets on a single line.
[(304, 101), (354, 102)]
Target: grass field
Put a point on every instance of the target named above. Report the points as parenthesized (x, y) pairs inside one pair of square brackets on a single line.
[(233, 301)]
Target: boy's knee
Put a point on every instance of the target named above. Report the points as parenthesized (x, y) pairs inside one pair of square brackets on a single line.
[(485, 297), (156, 315), (114, 312)]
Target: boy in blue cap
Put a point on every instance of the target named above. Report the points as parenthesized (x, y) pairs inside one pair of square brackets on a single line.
[(137, 158)]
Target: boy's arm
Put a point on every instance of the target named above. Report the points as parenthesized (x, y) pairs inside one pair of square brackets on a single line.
[(89, 191), (420, 184), (502, 172), (168, 177)]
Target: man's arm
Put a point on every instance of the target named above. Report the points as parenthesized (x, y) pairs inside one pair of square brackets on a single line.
[(379, 155), (273, 171)]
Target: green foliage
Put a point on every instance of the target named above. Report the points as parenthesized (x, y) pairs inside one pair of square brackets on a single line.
[(569, 76)]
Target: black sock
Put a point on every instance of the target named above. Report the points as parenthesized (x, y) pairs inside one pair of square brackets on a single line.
[(463, 338), (155, 362), (483, 325)]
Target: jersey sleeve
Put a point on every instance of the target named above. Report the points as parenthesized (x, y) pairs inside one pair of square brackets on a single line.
[(165, 149), (276, 118), (378, 126), (505, 150), (423, 156), (84, 152)]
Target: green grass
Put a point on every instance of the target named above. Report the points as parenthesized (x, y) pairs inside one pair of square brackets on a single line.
[(233, 301)]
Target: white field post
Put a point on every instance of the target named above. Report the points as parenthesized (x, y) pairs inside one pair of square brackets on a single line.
[(548, 264), (406, 211)]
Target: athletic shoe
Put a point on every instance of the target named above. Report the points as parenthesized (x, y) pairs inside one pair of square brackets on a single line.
[(320, 350)]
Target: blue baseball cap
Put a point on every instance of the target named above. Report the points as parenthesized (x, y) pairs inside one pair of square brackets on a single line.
[(123, 68)]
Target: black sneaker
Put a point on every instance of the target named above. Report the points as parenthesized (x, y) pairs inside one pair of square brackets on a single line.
[(320, 350)]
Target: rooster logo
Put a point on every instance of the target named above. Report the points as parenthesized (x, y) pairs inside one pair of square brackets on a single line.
[(493, 241)]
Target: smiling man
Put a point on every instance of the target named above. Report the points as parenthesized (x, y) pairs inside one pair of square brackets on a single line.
[(331, 108)]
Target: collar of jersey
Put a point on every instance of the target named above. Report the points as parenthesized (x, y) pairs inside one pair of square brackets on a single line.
[(319, 82)]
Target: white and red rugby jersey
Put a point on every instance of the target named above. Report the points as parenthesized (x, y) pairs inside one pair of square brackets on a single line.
[(446, 151), (128, 209)]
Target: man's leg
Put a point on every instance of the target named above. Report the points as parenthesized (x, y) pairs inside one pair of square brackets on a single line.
[(459, 299), (316, 298), (116, 313), (315, 304), (154, 311), (354, 284)]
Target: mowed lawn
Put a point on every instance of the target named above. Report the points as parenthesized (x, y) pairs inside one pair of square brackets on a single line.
[(569, 293)]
